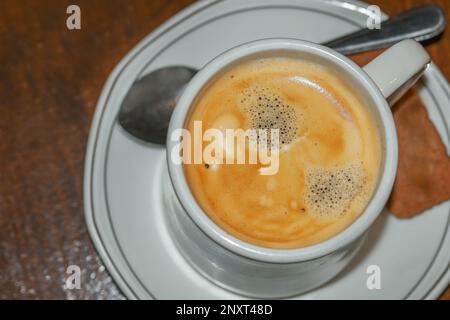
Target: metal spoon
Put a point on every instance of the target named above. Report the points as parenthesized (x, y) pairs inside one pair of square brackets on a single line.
[(145, 112)]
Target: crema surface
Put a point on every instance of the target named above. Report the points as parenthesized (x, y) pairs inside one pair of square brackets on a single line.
[(329, 156)]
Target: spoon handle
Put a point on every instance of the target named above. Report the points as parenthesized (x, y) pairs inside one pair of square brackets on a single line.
[(419, 23)]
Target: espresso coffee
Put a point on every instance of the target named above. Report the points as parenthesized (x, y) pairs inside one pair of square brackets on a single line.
[(328, 157)]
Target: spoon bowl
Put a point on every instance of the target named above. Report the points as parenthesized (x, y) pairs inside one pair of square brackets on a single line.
[(145, 112)]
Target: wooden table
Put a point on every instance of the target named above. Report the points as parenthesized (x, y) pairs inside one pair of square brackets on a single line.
[(50, 79)]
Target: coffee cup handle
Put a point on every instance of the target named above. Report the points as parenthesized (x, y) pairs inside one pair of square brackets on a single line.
[(398, 68)]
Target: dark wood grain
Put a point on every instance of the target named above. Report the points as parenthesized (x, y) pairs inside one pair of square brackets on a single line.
[(50, 79)]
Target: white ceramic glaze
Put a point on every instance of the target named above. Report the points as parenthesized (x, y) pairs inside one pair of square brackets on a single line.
[(124, 178), (265, 272), (389, 72)]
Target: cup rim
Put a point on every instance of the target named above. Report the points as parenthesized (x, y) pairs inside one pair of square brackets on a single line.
[(271, 255)]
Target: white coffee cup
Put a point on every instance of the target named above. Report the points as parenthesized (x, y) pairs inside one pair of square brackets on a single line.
[(269, 273)]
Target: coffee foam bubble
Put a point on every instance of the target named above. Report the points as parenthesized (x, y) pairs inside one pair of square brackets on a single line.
[(267, 110), (330, 192)]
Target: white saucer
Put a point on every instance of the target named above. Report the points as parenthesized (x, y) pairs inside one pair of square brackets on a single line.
[(122, 186)]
